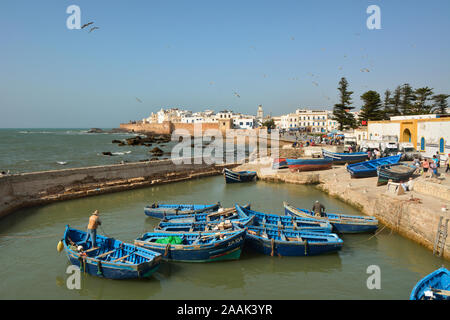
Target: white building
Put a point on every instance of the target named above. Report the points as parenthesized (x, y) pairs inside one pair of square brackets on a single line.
[(430, 134), (309, 120)]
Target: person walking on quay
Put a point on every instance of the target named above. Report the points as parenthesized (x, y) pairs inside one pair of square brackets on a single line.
[(447, 163), (433, 169), (425, 165), (318, 209), (94, 222)]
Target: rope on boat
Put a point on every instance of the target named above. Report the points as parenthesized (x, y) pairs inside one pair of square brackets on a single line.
[(272, 242), (167, 250)]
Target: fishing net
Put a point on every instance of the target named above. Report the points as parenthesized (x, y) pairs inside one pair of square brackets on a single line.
[(171, 240)]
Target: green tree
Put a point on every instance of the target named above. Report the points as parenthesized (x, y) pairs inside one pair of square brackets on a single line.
[(396, 102), (341, 110), (440, 103), (421, 98), (387, 105), (371, 110), (407, 97), (269, 124)]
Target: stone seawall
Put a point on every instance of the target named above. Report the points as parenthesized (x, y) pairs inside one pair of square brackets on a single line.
[(29, 189), (414, 215)]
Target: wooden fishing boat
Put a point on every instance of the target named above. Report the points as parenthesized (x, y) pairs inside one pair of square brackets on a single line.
[(110, 258), (369, 168), (308, 164), (341, 223), (194, 246), (216, 216), (216, 226), (397, 172), (159, 210), (277, 221), (279, 163), (288, 242), (342, 158), (435, 286), (241, 176)]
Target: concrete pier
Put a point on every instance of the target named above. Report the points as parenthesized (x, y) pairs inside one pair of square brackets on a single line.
[(36, 188), (414, 215)]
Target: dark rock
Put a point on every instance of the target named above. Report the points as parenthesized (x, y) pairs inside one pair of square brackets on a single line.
[(95, 130), (107, 153), (117, 141)]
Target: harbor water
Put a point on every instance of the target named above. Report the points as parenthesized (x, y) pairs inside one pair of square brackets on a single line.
[(33, 269)]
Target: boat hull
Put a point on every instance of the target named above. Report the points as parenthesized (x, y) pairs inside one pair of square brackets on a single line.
[(112, 259), (295, 223), (219, 251), (279, 247), (369, 168), (308, 164), (342, 158), (439, 279), (340, 223), (163, 211), (386, 173), (237, 177)]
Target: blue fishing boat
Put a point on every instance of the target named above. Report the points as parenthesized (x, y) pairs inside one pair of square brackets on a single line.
[(288, 242), (341, 223), (397, 172), (342, 158), (217, 216), (158, 210), (308, 164), (369, 168), (110, 258), (216, 226), (277, 221), (194, 246), (435, 286), (241, 176)]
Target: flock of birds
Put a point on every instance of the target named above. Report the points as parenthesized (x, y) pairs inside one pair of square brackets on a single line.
[(88, 24)]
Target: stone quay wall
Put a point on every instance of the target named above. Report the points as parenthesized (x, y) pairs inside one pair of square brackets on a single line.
[(36, 188)]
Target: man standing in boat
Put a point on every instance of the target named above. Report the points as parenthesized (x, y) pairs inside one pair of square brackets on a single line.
[(94, 222), (318, 209)]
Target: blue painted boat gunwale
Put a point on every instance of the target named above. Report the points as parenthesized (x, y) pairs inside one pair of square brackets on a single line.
[(229, 247), (138, 262), (288, 242), (341, 223), (438, 279), (369, 168), (304, 224)]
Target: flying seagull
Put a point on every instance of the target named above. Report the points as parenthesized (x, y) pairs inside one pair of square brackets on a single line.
[(94, 28), (365, 70), (237, 95), (87, 24), (138, 100)]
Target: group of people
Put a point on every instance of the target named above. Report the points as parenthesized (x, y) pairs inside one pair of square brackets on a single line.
[(374, 154), (430, 165)]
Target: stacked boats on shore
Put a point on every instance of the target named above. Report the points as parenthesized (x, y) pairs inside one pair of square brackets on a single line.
[(208, 233), (387, 168)]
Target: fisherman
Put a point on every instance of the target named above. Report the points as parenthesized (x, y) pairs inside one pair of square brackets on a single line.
[(94, 222), (318, 209)]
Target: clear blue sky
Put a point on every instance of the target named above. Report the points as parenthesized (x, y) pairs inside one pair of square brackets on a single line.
[(197, 53)]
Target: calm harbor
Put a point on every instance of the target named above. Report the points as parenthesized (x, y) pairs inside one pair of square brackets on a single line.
[(35, 270)]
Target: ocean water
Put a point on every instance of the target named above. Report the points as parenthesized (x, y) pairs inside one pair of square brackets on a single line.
[(26, 150)]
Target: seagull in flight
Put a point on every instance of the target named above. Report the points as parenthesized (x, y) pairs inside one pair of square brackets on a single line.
[(85, 25), (365, 70), (94, 28), (237, 95), (138, 100)]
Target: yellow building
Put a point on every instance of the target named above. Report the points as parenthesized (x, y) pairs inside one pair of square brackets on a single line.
[(429, 134)]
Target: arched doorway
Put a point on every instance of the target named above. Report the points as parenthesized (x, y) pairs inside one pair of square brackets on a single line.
[(406, 136)]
